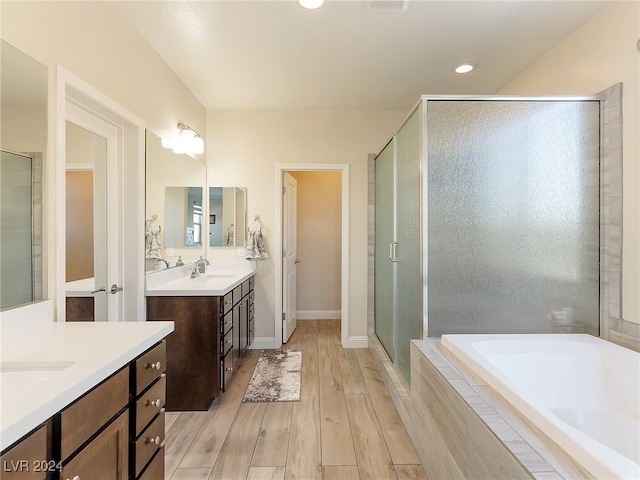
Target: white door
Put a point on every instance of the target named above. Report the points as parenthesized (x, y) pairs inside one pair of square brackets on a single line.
[(94, 148), (289, 255)]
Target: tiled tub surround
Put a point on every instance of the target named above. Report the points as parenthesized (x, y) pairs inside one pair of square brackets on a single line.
[(462, 428), (581, 391)]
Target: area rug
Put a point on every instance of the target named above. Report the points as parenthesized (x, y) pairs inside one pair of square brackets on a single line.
[(276, 377)]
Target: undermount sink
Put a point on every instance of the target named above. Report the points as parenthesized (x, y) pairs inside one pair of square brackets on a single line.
[(217, 275), (34, 366)]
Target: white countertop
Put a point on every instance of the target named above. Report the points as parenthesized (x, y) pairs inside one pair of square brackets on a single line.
[(45, 369), (220, 278)]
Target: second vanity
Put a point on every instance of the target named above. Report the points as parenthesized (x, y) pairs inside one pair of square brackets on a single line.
[(83, 400), (214, 325)]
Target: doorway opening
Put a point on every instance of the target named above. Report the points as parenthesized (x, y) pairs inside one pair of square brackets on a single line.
[(334, 298), (86, 107)]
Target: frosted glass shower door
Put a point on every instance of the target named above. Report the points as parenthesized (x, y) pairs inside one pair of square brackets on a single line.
[(408, 260), (513, 216), (384, 236), (398, 286)]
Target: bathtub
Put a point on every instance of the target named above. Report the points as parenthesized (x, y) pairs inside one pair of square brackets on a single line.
[(581, 391)]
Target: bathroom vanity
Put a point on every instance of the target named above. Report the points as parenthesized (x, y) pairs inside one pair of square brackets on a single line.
[(84, 400), (214, 325)]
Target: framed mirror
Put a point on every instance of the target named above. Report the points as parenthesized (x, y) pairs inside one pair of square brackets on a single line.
[(227, 216), (175, 186), (23, 141)]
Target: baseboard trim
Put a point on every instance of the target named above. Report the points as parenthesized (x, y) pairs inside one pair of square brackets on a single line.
[(318, 314), (260, 343), (357, 342)]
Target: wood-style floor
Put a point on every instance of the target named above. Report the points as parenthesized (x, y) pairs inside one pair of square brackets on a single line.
[(344, 427)]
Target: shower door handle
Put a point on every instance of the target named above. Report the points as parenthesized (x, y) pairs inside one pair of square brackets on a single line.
[(392, 251)]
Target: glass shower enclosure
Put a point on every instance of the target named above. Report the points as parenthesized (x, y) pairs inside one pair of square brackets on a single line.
[(487, 220)]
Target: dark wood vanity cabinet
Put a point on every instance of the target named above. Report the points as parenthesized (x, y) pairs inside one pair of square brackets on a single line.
[(114, 431), (193, 349), (210, 336)]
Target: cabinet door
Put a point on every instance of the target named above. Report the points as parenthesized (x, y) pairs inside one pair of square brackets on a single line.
[(30, 458), (106, 457), (193, 349)]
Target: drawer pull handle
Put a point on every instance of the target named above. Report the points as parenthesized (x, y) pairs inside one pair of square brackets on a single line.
[(228, 341), (228, 369), (228, 322), (154, 366), (151, 403), (77, 477), (227, 302), (154, 441)]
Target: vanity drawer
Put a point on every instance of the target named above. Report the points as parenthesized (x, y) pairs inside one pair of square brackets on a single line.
[(83, 418), (150, 366), (227, 342), (150, 404), (149, 442), (246, 286), (226, 370), (252, 281), (227, 322), (155, 470), (227, 302), (237, 294)]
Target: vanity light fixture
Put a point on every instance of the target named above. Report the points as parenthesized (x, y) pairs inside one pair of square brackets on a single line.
[(311, 4), (464, 68), (188, 141)]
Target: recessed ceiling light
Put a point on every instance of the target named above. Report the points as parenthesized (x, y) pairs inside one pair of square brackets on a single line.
[(311, 4), (464, 68)]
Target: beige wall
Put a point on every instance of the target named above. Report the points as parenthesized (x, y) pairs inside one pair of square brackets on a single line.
[(244, 148), (602, 53), (319, 240), (96, 43)]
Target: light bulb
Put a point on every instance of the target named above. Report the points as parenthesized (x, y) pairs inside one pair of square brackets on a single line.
[(197, 145), (311, 4), (464, 68)]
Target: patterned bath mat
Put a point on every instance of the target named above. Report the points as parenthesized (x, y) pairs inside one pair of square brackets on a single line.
[(276, 377)]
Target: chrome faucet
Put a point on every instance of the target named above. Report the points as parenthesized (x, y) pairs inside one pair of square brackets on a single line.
[(199, 267), (162, 260)]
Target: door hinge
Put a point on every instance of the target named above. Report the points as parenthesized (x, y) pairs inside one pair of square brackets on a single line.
[(284, 316), (284, 252), (284, 190)]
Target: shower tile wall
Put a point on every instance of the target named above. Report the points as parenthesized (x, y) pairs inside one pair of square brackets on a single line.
[(615, 328)]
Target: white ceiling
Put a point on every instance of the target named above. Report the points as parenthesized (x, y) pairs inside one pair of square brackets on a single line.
[(275, 54)]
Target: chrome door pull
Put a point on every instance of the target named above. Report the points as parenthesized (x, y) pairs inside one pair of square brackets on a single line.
[(115, 289), (392, 251)]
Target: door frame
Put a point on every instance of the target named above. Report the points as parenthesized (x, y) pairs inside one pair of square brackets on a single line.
[(131, 151), (344, 261)]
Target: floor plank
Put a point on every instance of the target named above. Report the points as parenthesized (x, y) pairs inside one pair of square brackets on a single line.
[(266, 473), (235, 458), (304, 455), (179, 437), (340, 472), (273, 439), (191, 474), (374, 461)]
